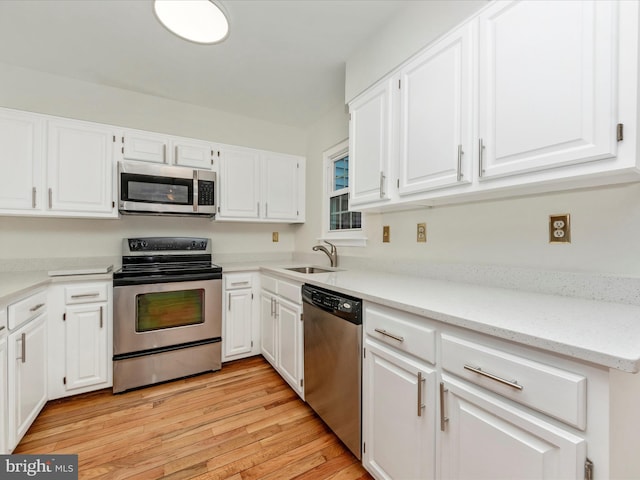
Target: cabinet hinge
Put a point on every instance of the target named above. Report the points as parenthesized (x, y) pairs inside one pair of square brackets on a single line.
[(113, 204), (364, 447), (251, 343), (398, 183), (302, 317), (64, 317), (399, 84), (64, 380), (114, 139), (212, 161), (588, 469), (364, 352), (218, 209), (252, 296), (620, 132), (302, 382)]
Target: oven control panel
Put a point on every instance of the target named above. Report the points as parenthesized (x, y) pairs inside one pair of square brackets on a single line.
[(166, 244)]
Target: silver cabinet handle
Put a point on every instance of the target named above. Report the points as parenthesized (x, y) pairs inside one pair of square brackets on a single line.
[(36, 307), (390, 335), (246, 282), (101, 316), (164, 153), (479, 371), (266, 210), (460, 153), (420, 405), (33, 197), (85, 295), (50, 197), (229, 301), (175, 158), (480, 158), (443, 419), (382, 177), (23, 338), (258, 209)]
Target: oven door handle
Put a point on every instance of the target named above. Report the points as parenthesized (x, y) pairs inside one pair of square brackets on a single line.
[(149, 279)]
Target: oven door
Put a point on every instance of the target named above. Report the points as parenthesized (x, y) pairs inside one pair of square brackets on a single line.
[(160, 315)]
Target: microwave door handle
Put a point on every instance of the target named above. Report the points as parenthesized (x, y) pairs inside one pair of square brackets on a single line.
[(195, 190)]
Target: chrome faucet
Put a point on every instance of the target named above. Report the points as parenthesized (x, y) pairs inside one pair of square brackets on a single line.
[(333, 255)]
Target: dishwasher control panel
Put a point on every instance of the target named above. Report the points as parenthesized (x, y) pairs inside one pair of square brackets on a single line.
[(340, 304)]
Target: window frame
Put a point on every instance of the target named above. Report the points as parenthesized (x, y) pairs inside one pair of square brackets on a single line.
[(348, 237)]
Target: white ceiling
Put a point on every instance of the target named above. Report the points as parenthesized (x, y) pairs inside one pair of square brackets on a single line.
[(283, 61)]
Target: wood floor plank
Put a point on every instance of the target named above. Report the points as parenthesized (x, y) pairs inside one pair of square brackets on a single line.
[(240, 423)]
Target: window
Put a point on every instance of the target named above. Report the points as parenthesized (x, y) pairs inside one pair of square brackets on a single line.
[(340, 225)]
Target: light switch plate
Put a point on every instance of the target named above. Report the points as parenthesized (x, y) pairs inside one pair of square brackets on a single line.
[(274, 237), (386, 234)]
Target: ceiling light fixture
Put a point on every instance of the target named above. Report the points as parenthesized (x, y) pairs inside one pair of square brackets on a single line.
[(199, 21)]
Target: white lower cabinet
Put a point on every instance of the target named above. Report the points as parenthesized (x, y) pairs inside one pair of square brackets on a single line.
[(398, 414), (80, 338), (485, 437), (241, 322), (3, 382), (282, 339), (27, 362)]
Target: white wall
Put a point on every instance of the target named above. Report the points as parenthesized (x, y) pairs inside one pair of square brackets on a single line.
[(64, 238)]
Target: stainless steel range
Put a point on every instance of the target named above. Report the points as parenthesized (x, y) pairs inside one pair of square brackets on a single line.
[(167, 311)]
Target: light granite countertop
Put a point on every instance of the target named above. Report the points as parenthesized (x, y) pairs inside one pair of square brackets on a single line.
[(603, 333), (600, 332)]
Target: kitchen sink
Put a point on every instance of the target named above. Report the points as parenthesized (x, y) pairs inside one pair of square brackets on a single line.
[(309, 269)]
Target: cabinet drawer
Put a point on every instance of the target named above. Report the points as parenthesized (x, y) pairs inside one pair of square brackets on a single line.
[(403, 331), (24, 310), (550, 390), (290, 291), (91, 292), (238, 280), (269, 283)]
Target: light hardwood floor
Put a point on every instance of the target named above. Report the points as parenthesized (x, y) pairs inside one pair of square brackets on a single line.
[(243, 422)]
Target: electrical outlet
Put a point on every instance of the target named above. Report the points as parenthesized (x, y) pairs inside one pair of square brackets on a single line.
[(274, 237), (559, 228), (386, 234), (421, 233)]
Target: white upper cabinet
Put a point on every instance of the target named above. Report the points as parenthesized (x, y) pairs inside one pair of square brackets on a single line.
[(435, 110), (145, 146), (256, 185), (193, 153), (370, 139), (158, 148), (21, 137), (280, 184), (239, 183), (525, 97), (52, 166), (547, 85), (80, 167)]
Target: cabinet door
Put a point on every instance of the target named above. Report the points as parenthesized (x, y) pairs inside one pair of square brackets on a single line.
[(80, 167), (238, 337), (239, 184), (27, 354), (145, 146), (20, 160), (488, 438), (268, 327), (86, 341), (280, 186), (547, 85), (192, 153), (436, 119), (398, 415), (370, 130), (290, 344)]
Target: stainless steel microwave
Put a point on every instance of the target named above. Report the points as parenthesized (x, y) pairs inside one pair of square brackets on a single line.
[(149, 189)]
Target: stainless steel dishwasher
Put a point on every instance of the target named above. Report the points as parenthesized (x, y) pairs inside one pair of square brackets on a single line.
[(333, 361)]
